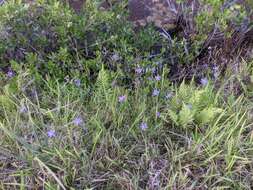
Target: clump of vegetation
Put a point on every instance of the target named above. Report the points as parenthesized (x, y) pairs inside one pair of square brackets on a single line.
[(62, 43), (86, 102)]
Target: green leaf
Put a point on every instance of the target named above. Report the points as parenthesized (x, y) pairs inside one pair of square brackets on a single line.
[(185, 115), (6, 102), (173, 116), (185, 92), (207, 115), (11, 88)]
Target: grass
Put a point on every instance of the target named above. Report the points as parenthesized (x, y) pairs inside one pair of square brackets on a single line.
[(108, 149), (117, 124)]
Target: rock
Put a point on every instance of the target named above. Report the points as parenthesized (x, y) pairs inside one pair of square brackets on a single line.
[(162, 13), (77, 5)]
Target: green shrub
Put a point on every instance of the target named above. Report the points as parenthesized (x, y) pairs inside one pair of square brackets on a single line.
[(66, 44)]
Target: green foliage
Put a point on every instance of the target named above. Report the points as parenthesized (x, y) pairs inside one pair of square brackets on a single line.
[(109, 138), (59, 38), (215, 14), (75, 113), (64, 43), (191, 106)]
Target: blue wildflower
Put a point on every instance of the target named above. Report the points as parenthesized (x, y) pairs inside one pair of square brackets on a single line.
[(122, 98), (168, 95), (153, 70), (158, 77), (51, 133), (155, 92), (10, 74), (204, 81), (23, 109), (78, 121), (138, 70), (115, 57), (77, 82), (158, 114), (150, 78), (143, 126)]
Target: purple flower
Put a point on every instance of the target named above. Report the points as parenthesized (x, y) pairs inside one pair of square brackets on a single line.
[(153, 70), (23, 109), (204, 81), (168, 95), (158, 114), (143, 126), (138, 70), (77, 82), (158, 77), (78, 121), (216, 68), (51, 133), (115, 57), (150, 78), (122, 98), (10, 74), (155, 92)]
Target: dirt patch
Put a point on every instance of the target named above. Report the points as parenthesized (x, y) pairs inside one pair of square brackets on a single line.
[(163, 14), (77, 5)]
